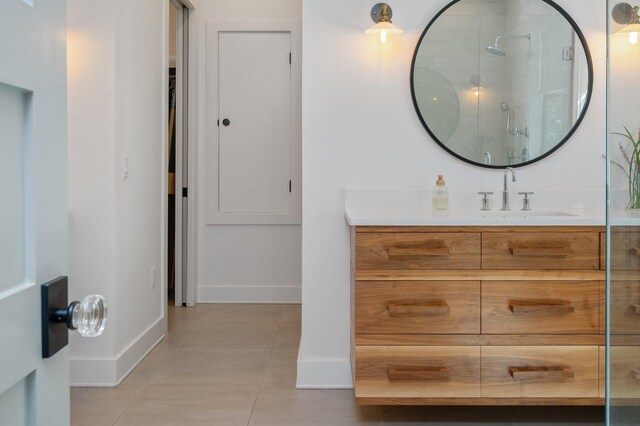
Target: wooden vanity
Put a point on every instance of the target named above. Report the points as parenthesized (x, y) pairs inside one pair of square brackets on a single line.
[(478, 315)]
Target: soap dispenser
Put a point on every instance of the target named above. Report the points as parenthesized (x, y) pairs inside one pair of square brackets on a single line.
[(440, 195)]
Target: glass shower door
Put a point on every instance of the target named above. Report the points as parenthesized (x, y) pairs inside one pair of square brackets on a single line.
[(623, 219)]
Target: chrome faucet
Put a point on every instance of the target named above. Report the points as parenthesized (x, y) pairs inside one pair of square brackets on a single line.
[(505, 192)]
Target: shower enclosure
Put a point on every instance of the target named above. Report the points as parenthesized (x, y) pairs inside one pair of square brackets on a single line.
[(623, 217)]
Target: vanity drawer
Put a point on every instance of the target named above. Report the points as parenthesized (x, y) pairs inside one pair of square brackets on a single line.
[(417, 371), (625, 372), (602, 381), (420, 251), (417, 307), (625, 249), (549, 250), (625, 306), (540, 307), (540, 372)]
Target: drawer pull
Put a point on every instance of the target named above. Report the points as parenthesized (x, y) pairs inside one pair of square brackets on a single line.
[(546, 249), (409, 309), (549, 306), (418, 373), (635, 308), (636, 373), (524, 374), (431, 249)]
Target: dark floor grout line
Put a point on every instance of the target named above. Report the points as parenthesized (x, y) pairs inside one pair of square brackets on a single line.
[(127, 407), (275, 336), (146, 383)]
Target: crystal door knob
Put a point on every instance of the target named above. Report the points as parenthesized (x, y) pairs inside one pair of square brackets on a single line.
[(88, 317)]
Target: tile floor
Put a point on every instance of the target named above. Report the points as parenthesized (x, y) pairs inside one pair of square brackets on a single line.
[(236, 365)]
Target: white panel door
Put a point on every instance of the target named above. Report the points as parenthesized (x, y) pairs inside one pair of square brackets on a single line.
[(33, 210), (254, 160)]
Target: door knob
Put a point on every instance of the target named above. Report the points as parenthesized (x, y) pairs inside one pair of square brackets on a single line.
[(226, 122), (87, 317)]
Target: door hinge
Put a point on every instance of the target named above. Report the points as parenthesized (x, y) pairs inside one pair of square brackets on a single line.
[(289, 58), (185, 192), (289, 186)]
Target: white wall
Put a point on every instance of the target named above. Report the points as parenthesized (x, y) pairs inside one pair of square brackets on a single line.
[(116, 88), (91, 151), (624, 111), (360, 130), (242, 263)]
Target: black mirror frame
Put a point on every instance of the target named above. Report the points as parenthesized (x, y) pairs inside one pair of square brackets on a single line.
[(587, 52)]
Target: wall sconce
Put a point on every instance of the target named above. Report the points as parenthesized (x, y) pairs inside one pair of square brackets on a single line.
[(381, 14), (627, 15), (475, 85)]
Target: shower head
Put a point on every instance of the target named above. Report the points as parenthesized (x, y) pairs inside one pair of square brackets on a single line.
[(498, 52), (495, 51), (504, 106)]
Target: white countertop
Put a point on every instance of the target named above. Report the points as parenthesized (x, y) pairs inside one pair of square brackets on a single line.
[(428, 217), (624, 218), (413, 208)]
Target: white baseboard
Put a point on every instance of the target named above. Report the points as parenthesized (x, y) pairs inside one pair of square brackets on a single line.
[(93, 373), (249, 294), (324, 374), (100, 373)]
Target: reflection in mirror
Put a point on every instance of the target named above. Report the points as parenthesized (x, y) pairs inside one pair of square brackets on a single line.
[(439, 101), (501, 82)]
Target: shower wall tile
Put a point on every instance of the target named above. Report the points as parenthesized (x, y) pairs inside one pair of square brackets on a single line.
[(537, 96)]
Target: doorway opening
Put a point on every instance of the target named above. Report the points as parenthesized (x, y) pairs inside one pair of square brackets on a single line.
[(179, 290)]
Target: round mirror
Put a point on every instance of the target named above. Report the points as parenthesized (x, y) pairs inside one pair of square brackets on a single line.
[(439, 100), (501, 83)]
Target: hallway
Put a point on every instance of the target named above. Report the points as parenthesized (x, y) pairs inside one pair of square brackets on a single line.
[(232, 365)]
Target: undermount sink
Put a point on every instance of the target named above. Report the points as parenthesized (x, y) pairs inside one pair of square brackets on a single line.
[(525, 214)]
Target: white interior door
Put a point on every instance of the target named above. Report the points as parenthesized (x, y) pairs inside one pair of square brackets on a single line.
[(33, 213), (255, 122)]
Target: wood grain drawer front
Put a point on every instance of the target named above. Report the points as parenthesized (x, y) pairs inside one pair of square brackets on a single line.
[(602, 381), (540, 307), (418, 307), (625, 372), (625, 306), (540, 371), (544, 250), (625, 249), (421, 251), (417, 371)]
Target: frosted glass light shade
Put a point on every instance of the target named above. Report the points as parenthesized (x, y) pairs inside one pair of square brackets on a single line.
[(632, 31), (383, 29)]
